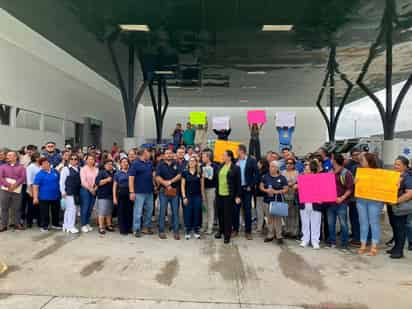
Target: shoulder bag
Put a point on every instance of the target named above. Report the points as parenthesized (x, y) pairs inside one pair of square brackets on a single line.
[(402, 209), (279, 209)]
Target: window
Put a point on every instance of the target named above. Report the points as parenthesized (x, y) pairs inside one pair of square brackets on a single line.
[(53, 124), (27, 119), (4, 114)]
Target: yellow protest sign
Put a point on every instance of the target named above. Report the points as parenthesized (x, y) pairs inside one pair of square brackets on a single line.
[(377, 184), (222, 146), (198, 118)]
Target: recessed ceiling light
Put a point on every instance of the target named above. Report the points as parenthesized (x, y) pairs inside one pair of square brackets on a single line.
[(164, 72), (174, 87), (249, 87), (144, 28), (244, 101), (256, 72), (277, 27)]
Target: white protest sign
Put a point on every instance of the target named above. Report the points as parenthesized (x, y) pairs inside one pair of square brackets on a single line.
[(221, 123), (285, 119)]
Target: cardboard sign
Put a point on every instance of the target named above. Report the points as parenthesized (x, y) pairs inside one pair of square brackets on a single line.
[(222, 146), (377, 184), (221, 123), (256, 117), (285, 119), (198, 118), (317, 188)]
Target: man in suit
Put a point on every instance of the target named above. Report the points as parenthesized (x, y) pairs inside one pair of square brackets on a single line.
[(249, 174)]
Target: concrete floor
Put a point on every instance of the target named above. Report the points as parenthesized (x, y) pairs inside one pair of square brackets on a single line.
[(56, 271)]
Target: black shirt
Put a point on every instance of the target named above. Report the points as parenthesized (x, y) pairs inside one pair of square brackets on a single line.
[(192, 183), (106, 191), (210, 183), (168, 172)]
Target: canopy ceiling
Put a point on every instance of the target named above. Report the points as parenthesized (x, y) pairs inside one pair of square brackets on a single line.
[(214, 45)]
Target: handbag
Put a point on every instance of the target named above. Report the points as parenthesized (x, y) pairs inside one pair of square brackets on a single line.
[(279, 209), (402, 209), (170, 192)]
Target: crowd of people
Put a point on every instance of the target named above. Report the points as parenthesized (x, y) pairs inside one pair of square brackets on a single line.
[(182, 188)]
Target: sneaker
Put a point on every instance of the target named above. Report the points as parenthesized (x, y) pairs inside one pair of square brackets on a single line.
[(344, 248), (89, 227), (137, 234), (218, 235), (84, 229), (73, 231), (56, 227), (303, 244), (331, 246), (197, 235), (43, 230), (162, 236), (187, 236), (316, 246)]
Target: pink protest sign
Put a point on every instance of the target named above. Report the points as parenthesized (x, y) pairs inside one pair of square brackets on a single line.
[(257, 116), (317, 188)]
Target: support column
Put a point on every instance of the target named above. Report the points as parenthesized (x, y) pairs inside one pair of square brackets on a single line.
[(13, 116), (140, 124)]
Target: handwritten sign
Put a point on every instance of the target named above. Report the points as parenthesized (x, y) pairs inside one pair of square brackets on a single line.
[(377, 184), (221, 123), (222, 146), (197, 118), (317, 188), (256, 117)]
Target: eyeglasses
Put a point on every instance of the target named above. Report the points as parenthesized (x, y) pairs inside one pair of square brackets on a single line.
[(74, 159), (290, 163)]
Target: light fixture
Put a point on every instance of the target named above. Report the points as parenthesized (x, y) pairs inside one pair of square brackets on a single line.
[(174, 87), (244, 101), (143, 28), (249, 87), (164, 72), (277, 27), (256, 73)]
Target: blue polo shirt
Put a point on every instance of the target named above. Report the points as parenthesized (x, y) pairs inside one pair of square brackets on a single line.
[(168, 172), (122, 179), (406, 183), (193, 184), (104, 192), (143, 177), (48, 183), (277, 183)]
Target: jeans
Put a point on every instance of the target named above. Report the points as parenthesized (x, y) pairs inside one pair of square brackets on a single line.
[(369, 215), (399, 234), (174, 204), (409, 229), (246, 198), (354, 221), (192, 213), (87, 201), (339, 211), (144, 201)]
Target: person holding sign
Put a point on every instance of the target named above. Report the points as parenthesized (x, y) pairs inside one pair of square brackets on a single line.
[(254, 143), (311, 214), (222, 134), (228, 192), (201, 135), (369, 212), (404, 195)]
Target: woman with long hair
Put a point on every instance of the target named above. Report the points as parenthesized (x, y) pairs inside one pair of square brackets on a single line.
[(192, 193), (228, 192), (88, 175), (254, 143), (369, 212)]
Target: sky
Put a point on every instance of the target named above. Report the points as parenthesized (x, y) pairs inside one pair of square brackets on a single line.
[(362, 117)]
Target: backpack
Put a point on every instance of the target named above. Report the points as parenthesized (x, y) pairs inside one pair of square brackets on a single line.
[(342, 176)]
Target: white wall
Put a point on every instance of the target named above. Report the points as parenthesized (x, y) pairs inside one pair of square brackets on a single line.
[(39, 76), (310, 132)]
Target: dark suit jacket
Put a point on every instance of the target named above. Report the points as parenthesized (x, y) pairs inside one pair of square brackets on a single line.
[(251, 172), (233, 181)]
